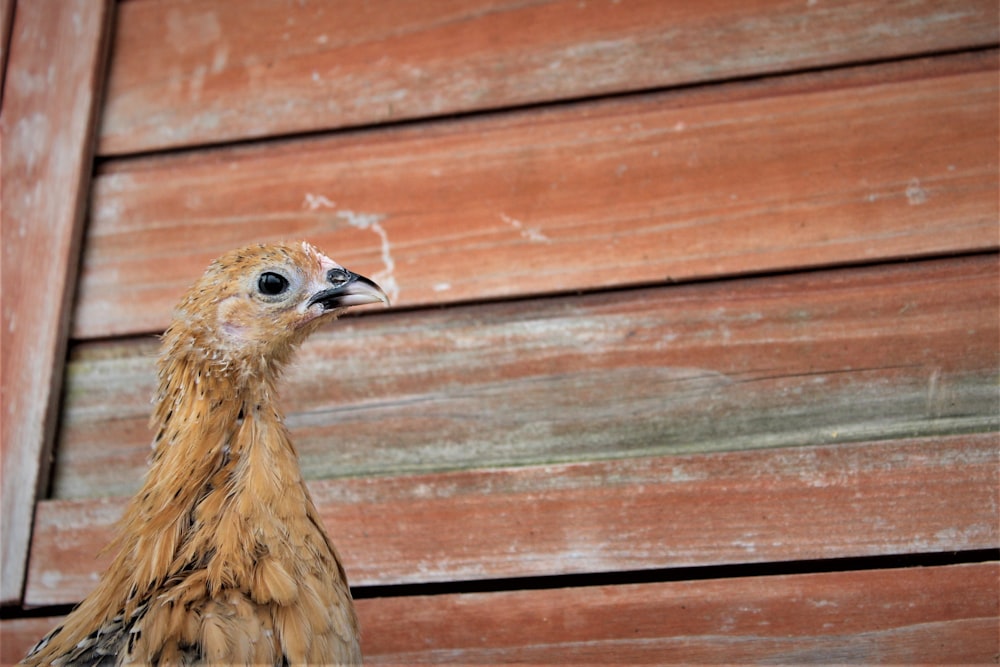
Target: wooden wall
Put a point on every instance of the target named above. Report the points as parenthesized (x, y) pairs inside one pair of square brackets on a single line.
[(695, 343)]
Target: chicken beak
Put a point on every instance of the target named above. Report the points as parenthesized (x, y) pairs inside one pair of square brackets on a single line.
[(353, 290)]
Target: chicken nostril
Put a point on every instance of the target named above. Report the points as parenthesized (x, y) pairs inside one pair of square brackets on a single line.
[(337, 276)]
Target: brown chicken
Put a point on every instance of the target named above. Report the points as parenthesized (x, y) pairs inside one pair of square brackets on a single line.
[(222, 557)]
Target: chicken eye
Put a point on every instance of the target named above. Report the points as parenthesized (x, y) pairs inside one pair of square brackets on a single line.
[(272, 284)]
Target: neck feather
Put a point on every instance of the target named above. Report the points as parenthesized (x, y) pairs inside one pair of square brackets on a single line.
[(223, 483)]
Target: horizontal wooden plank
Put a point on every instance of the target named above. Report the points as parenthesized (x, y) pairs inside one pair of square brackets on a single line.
[(819, 169), (20, 634), (737, 507), (51, 93), (213, 71), (923, 615), (907, 616), (824, 357)]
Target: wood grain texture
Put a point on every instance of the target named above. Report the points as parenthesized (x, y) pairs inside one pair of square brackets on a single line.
[(213, 71), (18, 635), (51, 91), (909, 496), (941, 614), (935, 615), (820, 169), (824, 357)]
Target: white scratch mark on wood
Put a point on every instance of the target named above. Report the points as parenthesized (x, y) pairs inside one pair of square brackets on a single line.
[(187, 31), (220, 58), (915, 193), (932, 391), (51, 578), (29, 138), (314, 202), (197, 82), (822, 603), (386, 277), (530, 233)]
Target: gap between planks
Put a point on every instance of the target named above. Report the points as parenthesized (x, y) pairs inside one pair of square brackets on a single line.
[(623, 192), (820, 357), (908, 496), (942, 613)]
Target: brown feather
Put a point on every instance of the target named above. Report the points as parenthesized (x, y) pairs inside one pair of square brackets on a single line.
[(220, 557)]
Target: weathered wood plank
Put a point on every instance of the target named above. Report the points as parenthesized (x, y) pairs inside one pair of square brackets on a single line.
[(906, 616), (51, 91), (213, 71), (20, 634), (819, 169), (735, 507), (825, 357), (946, 614), (6, 21)]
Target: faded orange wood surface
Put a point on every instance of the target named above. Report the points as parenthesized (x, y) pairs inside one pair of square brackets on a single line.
[(215, 71), (905, 616), (934, 614), (820, 169), (605, 516), (823, 357), (829, 413), (55, 60)]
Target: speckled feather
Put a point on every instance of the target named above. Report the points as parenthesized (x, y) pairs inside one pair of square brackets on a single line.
[(221, 556)]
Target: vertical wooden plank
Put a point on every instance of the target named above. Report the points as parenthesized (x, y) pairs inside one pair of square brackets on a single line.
[(6, 17), (54, 76)]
